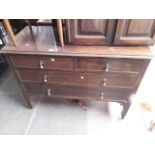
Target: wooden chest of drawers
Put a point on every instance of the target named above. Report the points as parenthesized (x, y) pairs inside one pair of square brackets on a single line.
[(103, 73), (78, 77)]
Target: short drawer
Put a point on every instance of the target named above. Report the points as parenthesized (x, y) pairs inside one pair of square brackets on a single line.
[(58, 63), (109, 64), (43, 62), (78, 78)]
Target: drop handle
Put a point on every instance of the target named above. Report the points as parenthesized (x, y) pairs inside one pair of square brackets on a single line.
[(102, 96), (49, 92), (52, 59), (41, 64), (104, 82), (45, 78), (107, 67), (82, 77)]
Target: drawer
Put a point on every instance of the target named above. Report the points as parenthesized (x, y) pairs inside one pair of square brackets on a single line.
[(44, 62), (62, 63), (78, 78), (77, 92), (109, 64)]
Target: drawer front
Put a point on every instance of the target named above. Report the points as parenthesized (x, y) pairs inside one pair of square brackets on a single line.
[(109, 65), (64, 63), (44, 62), (56, 90), (78, 78)]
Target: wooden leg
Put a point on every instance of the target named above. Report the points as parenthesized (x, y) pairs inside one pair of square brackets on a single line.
[(29, 99), (125, 109)]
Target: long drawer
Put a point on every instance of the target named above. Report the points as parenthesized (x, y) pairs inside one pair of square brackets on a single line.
[(43, 62), (55, 90), (78, 78), (109, 65)]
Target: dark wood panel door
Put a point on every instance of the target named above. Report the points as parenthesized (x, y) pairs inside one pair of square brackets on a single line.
[(90, 31), (135, 32)]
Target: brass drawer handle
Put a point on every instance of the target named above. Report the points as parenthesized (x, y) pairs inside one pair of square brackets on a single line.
[(82, 77), (41, 64), (102, 96), (104, 82), (52, 59), (107, 67), (49, 92), (45, 78)]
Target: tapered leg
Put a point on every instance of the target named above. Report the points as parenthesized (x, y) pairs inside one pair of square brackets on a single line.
[(29, 98), (126, 106), (31, 102)]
